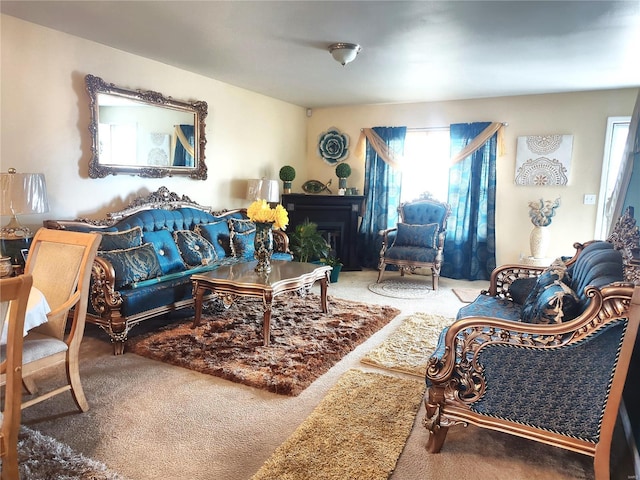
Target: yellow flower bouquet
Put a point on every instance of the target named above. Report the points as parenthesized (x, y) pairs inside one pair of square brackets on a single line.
[(260, 212)]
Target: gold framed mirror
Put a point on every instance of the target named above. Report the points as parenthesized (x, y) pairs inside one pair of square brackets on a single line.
[(144, 133)]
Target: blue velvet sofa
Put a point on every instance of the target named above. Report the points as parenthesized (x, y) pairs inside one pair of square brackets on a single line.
[(543, 354), (150, 250)]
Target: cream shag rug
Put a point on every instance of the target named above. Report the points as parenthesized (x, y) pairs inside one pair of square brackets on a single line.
[(409, 287), (357, 431), (44, 458), (408, 349)]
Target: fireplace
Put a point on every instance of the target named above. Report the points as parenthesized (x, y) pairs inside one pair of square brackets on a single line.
[(337, 217)]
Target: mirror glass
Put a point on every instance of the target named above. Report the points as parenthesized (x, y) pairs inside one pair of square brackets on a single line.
[(144, 133)]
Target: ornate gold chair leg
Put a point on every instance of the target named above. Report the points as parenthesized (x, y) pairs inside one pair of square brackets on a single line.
[(431, 421), (381, 270)]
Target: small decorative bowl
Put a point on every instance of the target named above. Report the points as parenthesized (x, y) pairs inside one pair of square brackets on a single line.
[(5, 267)]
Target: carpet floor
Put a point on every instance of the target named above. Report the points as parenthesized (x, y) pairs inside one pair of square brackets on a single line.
[(305, 342), (151, 420), (467, 295), (409, 347), (356, 432)]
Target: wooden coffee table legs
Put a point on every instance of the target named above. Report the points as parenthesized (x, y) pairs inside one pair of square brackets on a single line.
[(267, 295)]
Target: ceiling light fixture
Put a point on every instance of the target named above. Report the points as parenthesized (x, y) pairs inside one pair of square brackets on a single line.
[(344, 52)]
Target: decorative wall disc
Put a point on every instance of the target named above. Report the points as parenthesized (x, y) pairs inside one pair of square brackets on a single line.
[(333, 146)]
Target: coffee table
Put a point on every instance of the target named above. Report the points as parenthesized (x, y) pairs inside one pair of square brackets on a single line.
[(240, 280)]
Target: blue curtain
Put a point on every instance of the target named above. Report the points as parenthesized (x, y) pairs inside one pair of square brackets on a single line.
[(182, 157), (469, 249), (382, 195)]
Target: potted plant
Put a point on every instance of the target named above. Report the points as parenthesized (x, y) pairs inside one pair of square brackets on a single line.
[(334, 262), (287, 174), (307, 243), (343, 170)]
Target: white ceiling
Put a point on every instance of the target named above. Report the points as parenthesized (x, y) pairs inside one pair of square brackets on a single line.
[(411, 51)]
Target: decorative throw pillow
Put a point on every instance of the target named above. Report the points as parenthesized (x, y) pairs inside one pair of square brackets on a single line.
[(194, 249), (121, 240), (521, 287), (166, 249), (551, 300), (133, 264), (556, 304), (425, 236), (218, 234), (243, 234)]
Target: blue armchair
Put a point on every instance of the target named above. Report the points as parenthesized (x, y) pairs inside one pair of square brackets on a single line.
[(418, 239)]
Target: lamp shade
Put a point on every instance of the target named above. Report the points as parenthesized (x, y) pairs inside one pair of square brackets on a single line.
[(23, 193), (263, 189)]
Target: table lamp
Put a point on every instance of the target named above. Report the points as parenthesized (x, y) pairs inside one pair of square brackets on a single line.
[(21, 194), (264, 189)]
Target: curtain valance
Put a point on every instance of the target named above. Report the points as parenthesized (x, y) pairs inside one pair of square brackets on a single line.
[(378, 144)]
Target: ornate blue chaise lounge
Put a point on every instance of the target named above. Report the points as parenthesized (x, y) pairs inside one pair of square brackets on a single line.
[(543, 354), (149, 252)]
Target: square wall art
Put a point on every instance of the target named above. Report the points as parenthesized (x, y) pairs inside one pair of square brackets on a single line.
[(543, 160)]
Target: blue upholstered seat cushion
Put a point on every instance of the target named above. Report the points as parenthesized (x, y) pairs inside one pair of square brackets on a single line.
[(243, 234), (494, 307), (194, 249), (551, 300), (413, 254), (424, 236), (121, 240), (166, 249), (133, 264), (217, 233)]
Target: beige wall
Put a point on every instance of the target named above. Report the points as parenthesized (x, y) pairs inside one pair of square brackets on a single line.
[(45, 115), (583, 115)]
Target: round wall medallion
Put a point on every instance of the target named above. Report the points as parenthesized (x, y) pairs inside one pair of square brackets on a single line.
[(333, 146)]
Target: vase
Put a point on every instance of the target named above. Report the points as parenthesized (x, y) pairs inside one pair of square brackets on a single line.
[(286, 187), (539, 241), (263, 245)]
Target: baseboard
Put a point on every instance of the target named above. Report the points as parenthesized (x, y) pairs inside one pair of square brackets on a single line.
[(628, 432)]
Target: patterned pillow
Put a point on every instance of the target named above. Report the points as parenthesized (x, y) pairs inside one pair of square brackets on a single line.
[(166, 249), (557, 303), (133, 264), (551, 300), (194, 249), (218, 235), (121, 240), (243, 234), (520, 289), (425, 236)]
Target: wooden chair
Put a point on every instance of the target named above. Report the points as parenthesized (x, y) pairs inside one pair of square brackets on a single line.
[(60, 263), (14, 294)]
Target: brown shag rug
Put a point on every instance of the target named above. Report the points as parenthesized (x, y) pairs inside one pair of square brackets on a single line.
[(305, 342), (44, 458), (358, 431)]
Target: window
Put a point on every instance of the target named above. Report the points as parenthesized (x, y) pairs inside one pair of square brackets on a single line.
[(425, 166), (616, 137)]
